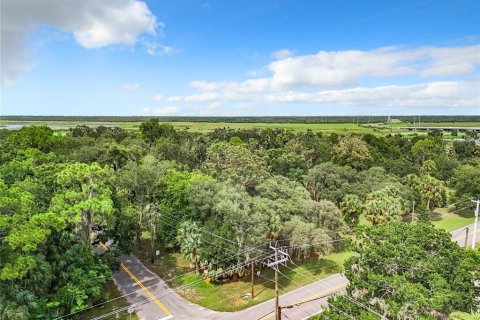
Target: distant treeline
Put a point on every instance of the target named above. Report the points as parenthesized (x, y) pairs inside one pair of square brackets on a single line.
[(314, 119)]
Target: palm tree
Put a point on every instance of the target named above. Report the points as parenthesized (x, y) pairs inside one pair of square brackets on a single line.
[(431, 191), (189, 238), (151, 215)]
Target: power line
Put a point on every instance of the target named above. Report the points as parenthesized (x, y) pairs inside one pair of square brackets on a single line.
[(201, 230), (147, 300), (341, 311), (178, 276), (205, 231), (240, 265), (430, 213), (221, 301), (351, 299), (301, 286), (141, 289), (312, 244)]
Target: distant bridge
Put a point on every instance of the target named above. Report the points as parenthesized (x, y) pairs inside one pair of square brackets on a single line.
[(444, 128)]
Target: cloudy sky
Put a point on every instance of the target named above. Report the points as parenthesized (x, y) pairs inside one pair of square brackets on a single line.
[(229, 58)]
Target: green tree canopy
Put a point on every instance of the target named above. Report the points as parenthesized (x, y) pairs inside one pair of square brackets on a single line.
[(329, 181), (466, 181), (383, 205), (405, 271), (236, 163), (152, 130), (352, 151)]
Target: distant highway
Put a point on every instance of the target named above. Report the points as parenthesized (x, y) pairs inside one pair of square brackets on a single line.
[(443, 128)]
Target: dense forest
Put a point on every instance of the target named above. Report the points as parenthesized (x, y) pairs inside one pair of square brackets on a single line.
[(61, 194)]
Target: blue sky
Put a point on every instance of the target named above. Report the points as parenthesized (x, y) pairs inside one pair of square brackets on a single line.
[(229, 58)]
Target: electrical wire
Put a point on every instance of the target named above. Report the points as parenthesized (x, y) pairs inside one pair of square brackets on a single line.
[(147, 300), (347, 297), (141, 289)]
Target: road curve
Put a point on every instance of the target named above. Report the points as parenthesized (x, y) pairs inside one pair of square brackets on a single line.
[(141, 284)]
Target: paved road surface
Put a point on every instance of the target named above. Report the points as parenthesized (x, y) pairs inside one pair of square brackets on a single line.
[(160, 308), (169, 303), (137, 279), (460, 235)]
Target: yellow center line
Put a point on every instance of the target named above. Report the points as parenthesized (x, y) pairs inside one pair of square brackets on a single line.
[(267, 316), (145, 289), (339, 286), (134, 278)]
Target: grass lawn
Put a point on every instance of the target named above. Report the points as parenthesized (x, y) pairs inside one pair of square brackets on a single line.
[(229, 295), (442, 219), (448, 221), (109, 291)]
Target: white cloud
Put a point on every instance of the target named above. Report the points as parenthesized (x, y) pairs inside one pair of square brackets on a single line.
[(155, 48), (161, 98), (438, 77), (330, 69), (93, 23), (430, 94), (283, 54), (130, 86), (340, 69), (247, 86), (166, 111)]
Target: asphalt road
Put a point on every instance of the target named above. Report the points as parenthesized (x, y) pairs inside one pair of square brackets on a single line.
[(164, 303), (169, 304), (460, 235)]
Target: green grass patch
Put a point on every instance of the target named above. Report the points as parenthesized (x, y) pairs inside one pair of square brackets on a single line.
[(204, 127), (442, 219), (230, 294), (109, 291), (435, 124)]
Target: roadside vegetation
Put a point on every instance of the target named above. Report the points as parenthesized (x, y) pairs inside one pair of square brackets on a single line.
[(212, 202), (109, 292), (411, 271)]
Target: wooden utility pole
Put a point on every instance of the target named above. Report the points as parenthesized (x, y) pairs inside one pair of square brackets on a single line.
[(251, 290), (278, 311), (475, 223), (273, 261), (466, 236)]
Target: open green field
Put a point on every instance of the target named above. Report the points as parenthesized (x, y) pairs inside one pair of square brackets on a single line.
[(436, 124), (195, 126), (229, 295), (301, 127)]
